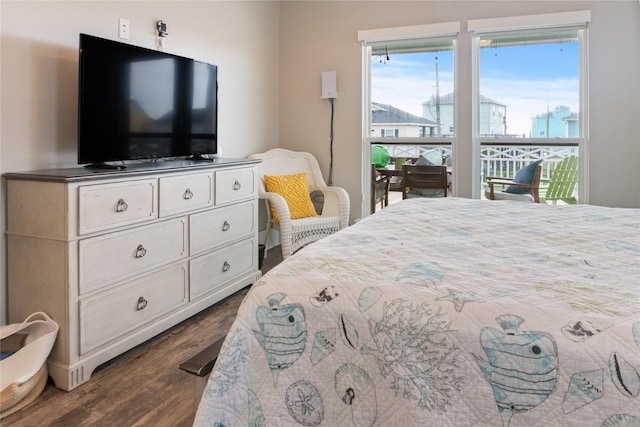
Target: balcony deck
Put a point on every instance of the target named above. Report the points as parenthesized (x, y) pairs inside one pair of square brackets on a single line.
[(502, 160)]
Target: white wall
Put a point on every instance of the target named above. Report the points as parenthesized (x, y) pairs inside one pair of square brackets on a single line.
[(319, 36), (39, 61)]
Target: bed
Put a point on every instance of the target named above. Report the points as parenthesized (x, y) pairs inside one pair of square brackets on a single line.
[(443, 312)]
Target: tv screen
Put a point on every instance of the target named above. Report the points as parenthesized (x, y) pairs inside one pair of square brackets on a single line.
[(137, 103)]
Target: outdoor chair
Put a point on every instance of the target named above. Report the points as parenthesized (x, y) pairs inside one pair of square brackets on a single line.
[(562, 183), (298, 227), (524, 187), (379, 189), (424, 181)]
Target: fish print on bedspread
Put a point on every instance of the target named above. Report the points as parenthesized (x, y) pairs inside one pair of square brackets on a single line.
[(282, 334), (522, 367), (414, 347)]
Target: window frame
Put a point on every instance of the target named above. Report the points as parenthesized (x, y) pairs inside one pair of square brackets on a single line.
[(376, 36), (534, 23)]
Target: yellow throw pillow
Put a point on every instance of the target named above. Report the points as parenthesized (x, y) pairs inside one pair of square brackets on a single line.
[(295, 191)]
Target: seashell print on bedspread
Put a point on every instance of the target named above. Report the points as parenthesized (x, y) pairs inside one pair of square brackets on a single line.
[(444, 312)]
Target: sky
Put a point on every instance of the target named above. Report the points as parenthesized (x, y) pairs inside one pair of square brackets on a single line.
[(527, 79)]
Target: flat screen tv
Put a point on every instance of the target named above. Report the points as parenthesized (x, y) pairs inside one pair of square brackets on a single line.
[(137, 103)]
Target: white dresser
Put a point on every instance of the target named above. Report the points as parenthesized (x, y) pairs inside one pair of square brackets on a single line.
[(116, 257)]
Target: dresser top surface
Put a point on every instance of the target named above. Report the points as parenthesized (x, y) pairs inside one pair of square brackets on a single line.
[(78, 174)]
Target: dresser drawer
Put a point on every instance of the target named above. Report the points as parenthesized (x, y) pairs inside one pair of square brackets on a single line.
[(116, 256), (105, 206), (184, 193), (235, 185), (214, 270), (219, 226), (115, 312)]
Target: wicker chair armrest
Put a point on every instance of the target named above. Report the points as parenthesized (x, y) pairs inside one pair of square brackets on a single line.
[(279, 204), (336, 203)]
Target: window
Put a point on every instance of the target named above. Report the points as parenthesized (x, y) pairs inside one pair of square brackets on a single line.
[(532, 72), (528, 95), (410, 80), (534, 77), (412, 87)]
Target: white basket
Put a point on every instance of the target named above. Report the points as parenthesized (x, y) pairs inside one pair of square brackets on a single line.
[(23, 374)]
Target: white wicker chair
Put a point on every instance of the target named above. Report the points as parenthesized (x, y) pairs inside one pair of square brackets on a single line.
[(296, 233)]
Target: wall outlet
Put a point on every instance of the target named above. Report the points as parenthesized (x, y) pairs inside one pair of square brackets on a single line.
[(123, 28)]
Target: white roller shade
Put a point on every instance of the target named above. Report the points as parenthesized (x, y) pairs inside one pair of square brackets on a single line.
[(410, 32), (548, 20)]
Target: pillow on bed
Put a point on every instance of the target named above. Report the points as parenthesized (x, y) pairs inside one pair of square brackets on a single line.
[(524, 176), (295, 191)]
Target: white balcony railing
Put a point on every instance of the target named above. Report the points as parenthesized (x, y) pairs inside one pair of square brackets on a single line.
[(502, 160), (506, 160)]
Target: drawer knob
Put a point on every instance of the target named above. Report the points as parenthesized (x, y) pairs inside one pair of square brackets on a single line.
[(237, 186), (142, 303), (226, 267), (140, 251), (226, 226), (188, 194), (121, 206)]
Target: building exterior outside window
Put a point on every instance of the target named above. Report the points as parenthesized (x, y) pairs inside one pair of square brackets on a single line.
[(388, 121), (493, 114), (559, 123)]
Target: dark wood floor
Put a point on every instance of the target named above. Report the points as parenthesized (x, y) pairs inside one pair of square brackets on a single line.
[(144, 386)]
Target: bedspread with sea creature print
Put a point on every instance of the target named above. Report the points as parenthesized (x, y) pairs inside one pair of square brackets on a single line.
[(443, 312)]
